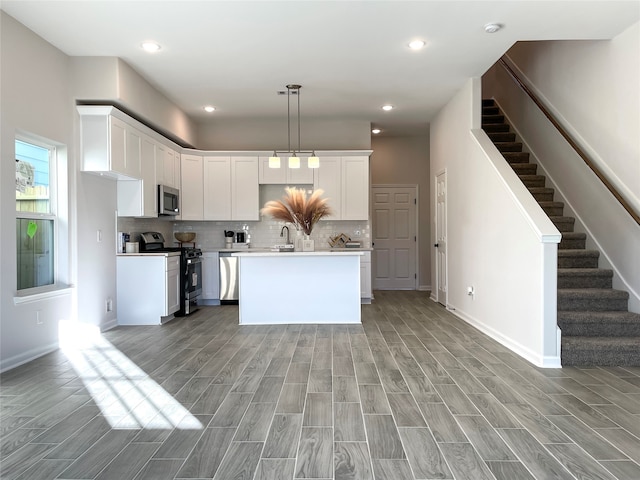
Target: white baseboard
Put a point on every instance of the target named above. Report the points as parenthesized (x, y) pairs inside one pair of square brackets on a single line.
[(424, 288), (26, 357), (109, 325), (542, 361)]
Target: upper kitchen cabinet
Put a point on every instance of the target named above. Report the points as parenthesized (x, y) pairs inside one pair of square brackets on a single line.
[(221, 188), (192, 191), (168, 165), (245, 191), (138, 198), (284, 174), (109, 145), (345, 181)]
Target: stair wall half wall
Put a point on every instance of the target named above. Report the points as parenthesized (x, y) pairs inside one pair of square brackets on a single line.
[(608, 227), (493, 244)]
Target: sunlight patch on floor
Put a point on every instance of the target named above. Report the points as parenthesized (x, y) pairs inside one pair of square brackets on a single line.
[(128, 398)]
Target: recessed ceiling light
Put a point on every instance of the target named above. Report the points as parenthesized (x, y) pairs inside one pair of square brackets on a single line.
[(492, 27), (209, 108), (150, 47), (376, 131), (386, 108), (416, 44)]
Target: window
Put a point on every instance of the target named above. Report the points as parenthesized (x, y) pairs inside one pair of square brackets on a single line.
[(35, 214)]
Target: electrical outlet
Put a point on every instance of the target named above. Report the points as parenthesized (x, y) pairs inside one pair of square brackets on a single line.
[(357, 233), (99, 236), (109, 304), (39, 320), (471, 291)]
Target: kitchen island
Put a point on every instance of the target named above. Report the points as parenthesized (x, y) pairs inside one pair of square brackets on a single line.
[(299, 287)]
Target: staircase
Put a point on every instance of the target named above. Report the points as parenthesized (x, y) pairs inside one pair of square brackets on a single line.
[(597, 328)]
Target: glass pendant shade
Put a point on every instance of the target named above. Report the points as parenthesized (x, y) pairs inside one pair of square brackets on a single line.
[(313, 161), (294, 161), (274, 162)]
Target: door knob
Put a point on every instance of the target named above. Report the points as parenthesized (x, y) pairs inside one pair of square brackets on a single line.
[(436, 245)]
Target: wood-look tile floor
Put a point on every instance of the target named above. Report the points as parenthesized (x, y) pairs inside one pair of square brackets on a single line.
[(412, 393)]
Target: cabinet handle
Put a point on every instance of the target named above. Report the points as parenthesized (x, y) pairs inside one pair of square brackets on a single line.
[(436, 245)]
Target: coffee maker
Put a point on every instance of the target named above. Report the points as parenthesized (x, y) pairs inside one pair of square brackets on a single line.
[(229, 236)]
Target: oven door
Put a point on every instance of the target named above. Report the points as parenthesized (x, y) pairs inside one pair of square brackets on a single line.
[(193, 284)]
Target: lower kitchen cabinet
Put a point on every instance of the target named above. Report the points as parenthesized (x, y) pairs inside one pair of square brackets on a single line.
[(365, 278), (210, 279), (148, 288)]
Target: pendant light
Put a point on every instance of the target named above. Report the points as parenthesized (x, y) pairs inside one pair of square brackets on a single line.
[(294, 159)]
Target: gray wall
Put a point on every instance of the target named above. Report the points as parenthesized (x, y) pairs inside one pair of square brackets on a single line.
[(405, 161)]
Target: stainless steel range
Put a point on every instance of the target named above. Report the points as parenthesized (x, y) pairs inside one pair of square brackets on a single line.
[(190, 266)]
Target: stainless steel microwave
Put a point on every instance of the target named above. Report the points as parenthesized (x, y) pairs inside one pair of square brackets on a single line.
[(168, 200)]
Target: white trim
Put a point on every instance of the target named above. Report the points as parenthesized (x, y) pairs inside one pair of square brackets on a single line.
[(26, 357), (538, 360), (56, 291), (108, 325), (424, 288)]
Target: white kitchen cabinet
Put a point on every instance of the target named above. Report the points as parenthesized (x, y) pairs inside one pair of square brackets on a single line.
[(217, 191), (245, 191), (192, 191), (284, 174), (168, 162), (365, 277), (210, 278), (148, 288), (109, 145), (345, 181), (138, 198), (328, 178)]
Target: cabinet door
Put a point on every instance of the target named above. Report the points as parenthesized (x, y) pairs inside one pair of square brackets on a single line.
[(172, 285), (355, 188), (161, 152), (272, 176), (245, 197), (191, 192), (365, 275), (148, 167), (217, 190), (118, 145), (302, 175), (210, 276), (327, 177), (133, 153)]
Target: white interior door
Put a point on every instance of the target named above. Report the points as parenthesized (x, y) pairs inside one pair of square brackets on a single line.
[(441, 237), (394, 237)]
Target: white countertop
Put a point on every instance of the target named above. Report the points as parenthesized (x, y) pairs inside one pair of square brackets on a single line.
[(148, 254), (270, 249), (317, 253)]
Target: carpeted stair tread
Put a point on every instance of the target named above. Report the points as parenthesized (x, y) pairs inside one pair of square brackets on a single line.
[(533, 180), (584, 278), (488, 102), (564, 224), (603, 351), (508, 146), (542, 194), (492, 119), (592, 299), (573, 241), (516, 157), (552, 208), (578, 258), (524, 168), (490, 110), (599, 324), (501, 136), (495, 127)]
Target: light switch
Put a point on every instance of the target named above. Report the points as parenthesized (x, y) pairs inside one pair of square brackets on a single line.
[(99, 236)]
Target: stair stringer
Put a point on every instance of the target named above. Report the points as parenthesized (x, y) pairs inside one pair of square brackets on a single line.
[(605, 261)]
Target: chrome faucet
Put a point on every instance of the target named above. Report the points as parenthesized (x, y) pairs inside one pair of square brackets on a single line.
[(282, 234)]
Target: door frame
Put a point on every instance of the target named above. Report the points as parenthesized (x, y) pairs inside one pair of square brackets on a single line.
[(416, 189), (436, 291)]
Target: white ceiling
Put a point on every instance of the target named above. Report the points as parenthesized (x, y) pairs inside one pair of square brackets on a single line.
[(351, 57)]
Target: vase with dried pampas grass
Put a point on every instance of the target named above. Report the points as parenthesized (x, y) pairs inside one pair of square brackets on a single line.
[(297, 209)]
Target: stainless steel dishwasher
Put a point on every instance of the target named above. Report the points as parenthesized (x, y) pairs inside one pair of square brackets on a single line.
[(228, 278)]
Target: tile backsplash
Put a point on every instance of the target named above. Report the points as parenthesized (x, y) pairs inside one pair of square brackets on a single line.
[(264, 233)]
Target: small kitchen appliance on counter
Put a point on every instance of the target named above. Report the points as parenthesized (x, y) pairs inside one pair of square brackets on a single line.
[(228, 238), (190, 266)]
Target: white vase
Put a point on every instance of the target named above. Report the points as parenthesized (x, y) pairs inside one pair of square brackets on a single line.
[(308, 245), (297, 246)]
